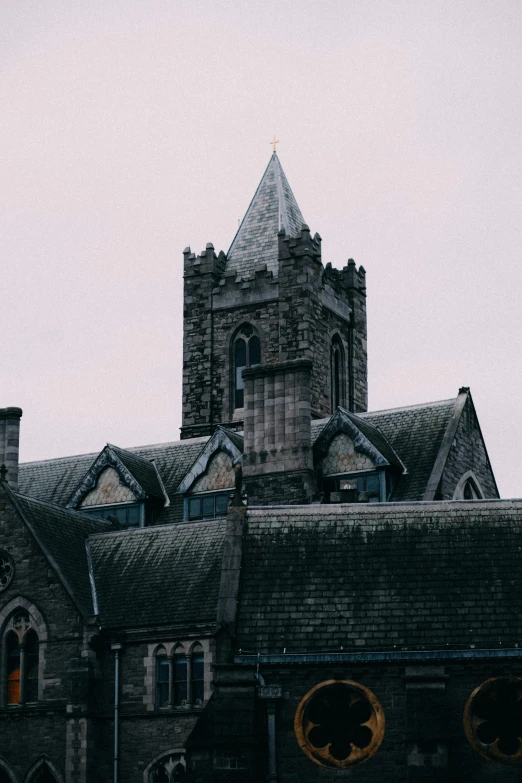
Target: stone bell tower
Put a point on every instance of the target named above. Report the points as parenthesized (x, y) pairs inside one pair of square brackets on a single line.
[(267, 302)]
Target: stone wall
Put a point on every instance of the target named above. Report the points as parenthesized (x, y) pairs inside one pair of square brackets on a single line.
[(467, 453), (423, 703), (295, 314), (66, 665)]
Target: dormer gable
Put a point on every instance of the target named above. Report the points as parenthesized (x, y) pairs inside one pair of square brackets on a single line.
[(214, 467), (354, 460), (122, 482), (347, 440)]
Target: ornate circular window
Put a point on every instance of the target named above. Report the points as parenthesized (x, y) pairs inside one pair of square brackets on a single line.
[(493, 719), (339, 724), (6, 570)]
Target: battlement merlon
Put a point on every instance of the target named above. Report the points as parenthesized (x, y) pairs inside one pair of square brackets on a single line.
[(207, 262), (304, 244), (349, 277)]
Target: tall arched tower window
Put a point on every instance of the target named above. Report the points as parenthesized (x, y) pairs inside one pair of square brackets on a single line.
[(338, 374), (246, 353)]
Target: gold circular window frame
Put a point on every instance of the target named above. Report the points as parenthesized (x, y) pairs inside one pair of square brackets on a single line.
[(489, 752), (321, 756)]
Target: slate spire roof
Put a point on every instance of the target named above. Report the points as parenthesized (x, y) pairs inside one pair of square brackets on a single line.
[(273, 208)]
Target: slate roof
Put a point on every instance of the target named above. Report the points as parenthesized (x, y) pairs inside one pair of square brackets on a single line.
[(416, 434), (165, 575), (272, 208), (63, 533), (143, 471), (55, 480), (371, 577)]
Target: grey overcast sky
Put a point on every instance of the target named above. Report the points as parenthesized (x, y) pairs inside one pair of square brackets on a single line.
[(131, 128)]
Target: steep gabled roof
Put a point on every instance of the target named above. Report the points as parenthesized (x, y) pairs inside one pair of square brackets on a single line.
[(272, 208), (164, 575), (416, 434), (61, 534), (55, 480), (223, 439)]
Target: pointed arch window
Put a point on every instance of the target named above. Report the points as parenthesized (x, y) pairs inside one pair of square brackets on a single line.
[(162, 678), (43, 775), (338, 375), (169, 769), (471, 491), (22, 656), (14, 678), (246, 353), (197, 676), (180, 684)]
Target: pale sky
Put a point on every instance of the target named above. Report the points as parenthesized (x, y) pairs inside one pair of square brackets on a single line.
[(129, 130)]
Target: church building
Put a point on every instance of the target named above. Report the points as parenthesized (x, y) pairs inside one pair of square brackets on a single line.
[(298, 589)]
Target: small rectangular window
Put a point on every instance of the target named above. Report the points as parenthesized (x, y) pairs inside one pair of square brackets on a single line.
[(194, 510), (208, 507), (221, 505), (133, 516)]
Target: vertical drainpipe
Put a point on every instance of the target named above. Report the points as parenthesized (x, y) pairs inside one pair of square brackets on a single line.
[(116, 648), (272, 768)]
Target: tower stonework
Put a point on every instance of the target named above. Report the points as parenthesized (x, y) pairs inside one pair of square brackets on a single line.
[(272, 281)]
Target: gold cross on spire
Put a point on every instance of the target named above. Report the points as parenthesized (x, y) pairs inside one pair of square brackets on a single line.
[(274, 142)]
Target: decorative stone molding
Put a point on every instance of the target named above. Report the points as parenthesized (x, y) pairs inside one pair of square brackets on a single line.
[(341, 422), (106, 458), (219, 441)]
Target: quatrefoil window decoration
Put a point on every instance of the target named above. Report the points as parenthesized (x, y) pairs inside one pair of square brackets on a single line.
[(339, 724), (493, 719), (6, 570)]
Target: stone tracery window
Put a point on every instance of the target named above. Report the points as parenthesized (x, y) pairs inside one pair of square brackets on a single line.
[(339, 724), (169, 769), (6, 570), (246, 352), (22, 653), (493, 720), (179, 676)]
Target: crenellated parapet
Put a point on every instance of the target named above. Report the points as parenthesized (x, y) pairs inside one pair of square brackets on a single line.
[(234, 289), (347, 277)]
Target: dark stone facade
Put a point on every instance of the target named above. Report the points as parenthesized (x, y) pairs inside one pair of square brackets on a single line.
[(296, 315), (413, 598)]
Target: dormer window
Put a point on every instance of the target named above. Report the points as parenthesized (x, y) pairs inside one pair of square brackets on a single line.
[(247, 353), (125, 514), (350, 488), (209, 505)]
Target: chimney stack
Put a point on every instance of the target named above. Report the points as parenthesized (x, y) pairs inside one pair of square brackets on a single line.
[(9, 443)]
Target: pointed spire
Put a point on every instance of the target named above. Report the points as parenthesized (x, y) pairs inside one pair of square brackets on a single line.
[(273, 208)]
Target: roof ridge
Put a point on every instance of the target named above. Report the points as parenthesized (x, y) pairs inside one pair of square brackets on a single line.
[(434, 404), (131, 449)]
